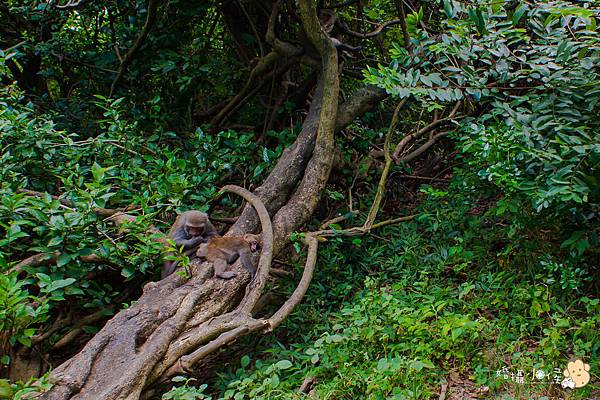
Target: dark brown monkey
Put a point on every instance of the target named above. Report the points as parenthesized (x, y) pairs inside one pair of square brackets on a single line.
[(222, 251), (189, 230)]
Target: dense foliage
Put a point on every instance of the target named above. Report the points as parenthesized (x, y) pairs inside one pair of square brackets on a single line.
[(498, 269)]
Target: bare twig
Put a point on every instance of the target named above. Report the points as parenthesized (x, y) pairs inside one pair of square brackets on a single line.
[(421, 149), (50, 258), (150, 18), (338, 219), (386, 169), (374, 32), (251, 22), (422, 178), (428, 128)]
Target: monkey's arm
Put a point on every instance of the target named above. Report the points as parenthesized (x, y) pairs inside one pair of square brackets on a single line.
[(247, 261), (170, 266), (231, 257), (180, 239), (167, 269)]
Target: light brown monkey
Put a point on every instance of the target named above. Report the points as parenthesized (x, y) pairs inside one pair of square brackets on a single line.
[(222, 251), (189, 230)]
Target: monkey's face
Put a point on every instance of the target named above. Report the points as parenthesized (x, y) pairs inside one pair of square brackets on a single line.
[(253, 241), (194, 231)]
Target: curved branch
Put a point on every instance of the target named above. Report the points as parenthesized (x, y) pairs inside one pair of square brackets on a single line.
[(386, 169), (374, 32), (150, 18), (254, 289), (428, 128), (421, 149), (309, 267)]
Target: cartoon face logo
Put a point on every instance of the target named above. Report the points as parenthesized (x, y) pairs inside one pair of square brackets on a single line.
[(577, 371)]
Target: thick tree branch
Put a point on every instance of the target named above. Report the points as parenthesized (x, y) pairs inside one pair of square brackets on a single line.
[(255, 288), (303, 202)]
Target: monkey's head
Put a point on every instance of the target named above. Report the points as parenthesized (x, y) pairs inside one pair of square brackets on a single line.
[(195, 222), (254, 241)]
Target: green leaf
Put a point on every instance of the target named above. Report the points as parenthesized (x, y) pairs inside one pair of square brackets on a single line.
[(448, 9), (245, 361), (274, 381), (63, 259), (283, 364), (59, 284), (518, 14)]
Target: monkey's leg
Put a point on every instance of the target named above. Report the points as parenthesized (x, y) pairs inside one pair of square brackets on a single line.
[(219, 265), (168, 268), (231, 257)]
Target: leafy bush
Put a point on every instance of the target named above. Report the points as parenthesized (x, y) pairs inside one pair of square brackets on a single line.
[(530, 70), (122, 166)]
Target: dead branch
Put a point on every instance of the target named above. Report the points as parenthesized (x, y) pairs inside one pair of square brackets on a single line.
[(422, 148), (253, 27), (428, 128), (78, 328), (338, 219), (243, 97), (422, 178), (380, 28), (50, 258), (114, 215), (60, 323), (262, 69)]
